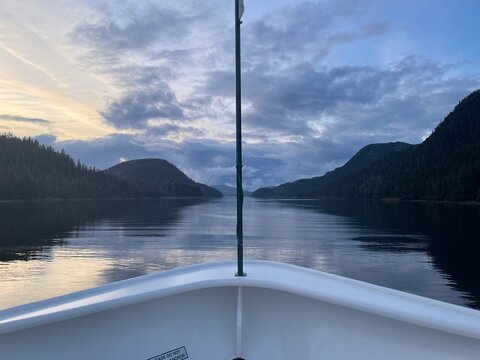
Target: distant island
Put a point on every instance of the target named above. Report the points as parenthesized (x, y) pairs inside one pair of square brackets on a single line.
[(445, 167), (29, 170)]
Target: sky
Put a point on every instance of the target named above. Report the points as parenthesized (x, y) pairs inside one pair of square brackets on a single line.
[(115, 81)]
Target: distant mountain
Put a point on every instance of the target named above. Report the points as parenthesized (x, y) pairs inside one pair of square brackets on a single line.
[(29, 170), (306, 188), (229, 190), (161, 173), (446, 166)]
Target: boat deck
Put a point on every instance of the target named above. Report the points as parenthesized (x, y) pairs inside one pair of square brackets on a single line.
[(205, 312)]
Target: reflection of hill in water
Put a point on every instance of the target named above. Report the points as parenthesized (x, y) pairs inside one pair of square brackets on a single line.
[(28, 228), (400, 244), (448, 233)]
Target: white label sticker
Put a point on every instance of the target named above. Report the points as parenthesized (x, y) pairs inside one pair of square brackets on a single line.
[(177, 354)]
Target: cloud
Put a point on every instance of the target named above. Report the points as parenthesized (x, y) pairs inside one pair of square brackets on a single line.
[(276, 48), (391, 100), (307, 31), (24, 119), (133, 27), (142, 48), (135, 109), (170, 129), (147, 34)]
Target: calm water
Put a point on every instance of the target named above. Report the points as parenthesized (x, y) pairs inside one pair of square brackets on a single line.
[(52, 248)]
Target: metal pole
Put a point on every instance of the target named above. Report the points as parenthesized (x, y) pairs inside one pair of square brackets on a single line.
[(239, 143)]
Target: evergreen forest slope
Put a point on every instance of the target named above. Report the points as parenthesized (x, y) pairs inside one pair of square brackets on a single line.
[(29, 170), (445, 167)]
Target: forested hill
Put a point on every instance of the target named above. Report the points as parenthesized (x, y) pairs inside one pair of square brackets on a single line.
[(446, 166), (29, 170), (159, 172), (306, 188)]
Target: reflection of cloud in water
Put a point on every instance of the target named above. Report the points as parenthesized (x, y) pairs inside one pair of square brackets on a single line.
[(162, 260), (165, 259), (67, 271)]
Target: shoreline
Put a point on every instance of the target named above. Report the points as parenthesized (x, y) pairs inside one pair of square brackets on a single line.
[(443, 202), (106, 199), (385, 200)]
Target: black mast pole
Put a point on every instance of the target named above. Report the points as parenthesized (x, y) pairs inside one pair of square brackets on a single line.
[(239, 142)]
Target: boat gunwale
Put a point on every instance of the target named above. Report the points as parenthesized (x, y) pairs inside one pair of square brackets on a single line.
[(325, 287)]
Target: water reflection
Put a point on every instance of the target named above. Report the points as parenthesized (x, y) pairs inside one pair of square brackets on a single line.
[(30, 228), (448, 233), (49, 248), (52, 248), (394, 243)]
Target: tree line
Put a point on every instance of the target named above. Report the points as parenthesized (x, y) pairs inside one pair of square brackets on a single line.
[(30, 170)]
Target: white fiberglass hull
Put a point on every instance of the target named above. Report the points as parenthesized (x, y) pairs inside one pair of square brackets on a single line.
[(277, 311)]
